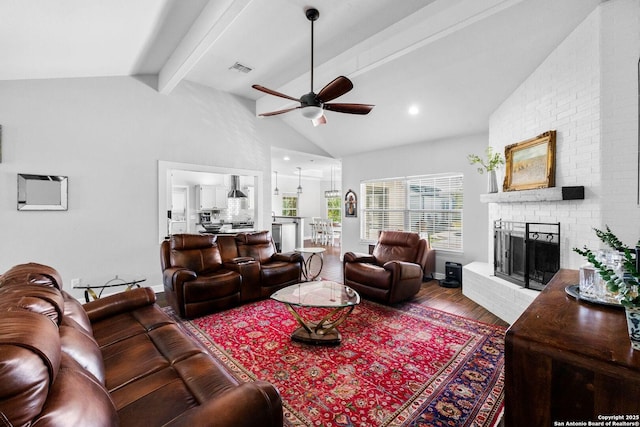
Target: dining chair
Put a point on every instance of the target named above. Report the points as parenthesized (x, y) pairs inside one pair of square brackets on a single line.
[(315, 229)]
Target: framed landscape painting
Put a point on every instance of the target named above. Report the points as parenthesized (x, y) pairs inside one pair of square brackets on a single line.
[(530, 164)]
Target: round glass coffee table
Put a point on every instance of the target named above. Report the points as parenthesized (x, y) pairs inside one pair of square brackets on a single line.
[(340, 299)]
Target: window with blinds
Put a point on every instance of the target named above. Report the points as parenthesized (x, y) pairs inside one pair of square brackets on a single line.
[(430, 205)]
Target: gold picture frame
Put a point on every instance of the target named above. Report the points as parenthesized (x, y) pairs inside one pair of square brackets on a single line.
[(531, 164)]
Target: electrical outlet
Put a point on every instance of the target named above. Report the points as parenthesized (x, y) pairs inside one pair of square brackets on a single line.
[(76, 282)]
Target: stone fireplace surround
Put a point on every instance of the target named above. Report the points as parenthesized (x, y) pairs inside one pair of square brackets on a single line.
[(586, 90), (566, 206), (503, 298)]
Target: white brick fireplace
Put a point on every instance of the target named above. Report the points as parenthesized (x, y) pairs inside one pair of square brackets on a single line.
[(586, 90)]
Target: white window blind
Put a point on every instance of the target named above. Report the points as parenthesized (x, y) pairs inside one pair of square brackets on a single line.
[(430, 205), (384, 205)]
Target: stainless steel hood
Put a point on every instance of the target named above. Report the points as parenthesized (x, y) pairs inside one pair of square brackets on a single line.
[(235, 192)]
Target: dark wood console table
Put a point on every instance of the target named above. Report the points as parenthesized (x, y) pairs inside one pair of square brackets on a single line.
[(569, 360)]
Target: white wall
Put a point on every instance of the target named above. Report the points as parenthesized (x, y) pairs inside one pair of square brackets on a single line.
[(308, 201), (107, 135), (587, 91), (422, 159), (620, 53)]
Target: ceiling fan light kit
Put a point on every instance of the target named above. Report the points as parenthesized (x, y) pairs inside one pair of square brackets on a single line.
[(311, 112), (312, 105)]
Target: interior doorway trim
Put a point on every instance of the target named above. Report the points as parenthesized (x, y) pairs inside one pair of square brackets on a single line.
[(164, 189)]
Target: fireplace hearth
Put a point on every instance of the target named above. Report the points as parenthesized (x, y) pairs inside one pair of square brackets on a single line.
[(526, 253)]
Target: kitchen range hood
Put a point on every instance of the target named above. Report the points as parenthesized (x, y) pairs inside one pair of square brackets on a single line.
[(235, 192)]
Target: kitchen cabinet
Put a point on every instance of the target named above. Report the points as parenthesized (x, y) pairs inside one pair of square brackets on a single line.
[(210, 197), (221, 197), (178, 227)]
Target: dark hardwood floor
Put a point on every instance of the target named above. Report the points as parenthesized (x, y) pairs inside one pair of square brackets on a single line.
[(431, 294)]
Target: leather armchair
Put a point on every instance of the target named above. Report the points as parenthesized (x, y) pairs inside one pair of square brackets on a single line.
[(195, 280), (277, 270), (393, 272)]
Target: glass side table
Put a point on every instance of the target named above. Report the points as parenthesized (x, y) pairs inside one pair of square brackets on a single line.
[(129, 281), (312, 253)]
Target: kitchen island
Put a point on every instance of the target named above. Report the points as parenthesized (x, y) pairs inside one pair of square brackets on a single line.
[(233, 227), (287, 222)]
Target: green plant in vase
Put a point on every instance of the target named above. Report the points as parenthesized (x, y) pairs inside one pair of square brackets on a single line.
[(623, 281), (492, 162)]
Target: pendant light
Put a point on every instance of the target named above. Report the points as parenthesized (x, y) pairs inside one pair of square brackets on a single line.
[(333, 192), (299, 189), (276, 191)]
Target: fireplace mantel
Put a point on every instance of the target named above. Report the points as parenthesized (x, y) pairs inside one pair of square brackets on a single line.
[(553, 194)]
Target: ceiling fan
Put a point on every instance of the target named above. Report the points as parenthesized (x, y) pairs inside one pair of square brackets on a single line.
[(312, 104)]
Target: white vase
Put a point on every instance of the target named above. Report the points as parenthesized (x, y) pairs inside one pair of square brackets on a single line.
[(633, 326), (493, 182)]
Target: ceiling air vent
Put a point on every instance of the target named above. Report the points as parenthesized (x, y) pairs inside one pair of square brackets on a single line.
[(240, 68)]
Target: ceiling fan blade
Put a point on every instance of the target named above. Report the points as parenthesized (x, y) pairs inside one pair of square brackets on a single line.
[(338, 87), (349, 108), (273, 92), (322, 120), (273, 113)]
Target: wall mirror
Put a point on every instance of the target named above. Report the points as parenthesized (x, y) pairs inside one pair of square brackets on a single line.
[(42, 192)]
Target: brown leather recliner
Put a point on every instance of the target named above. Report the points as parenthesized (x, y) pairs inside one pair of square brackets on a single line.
[(195, 280), (393, 272), (277, 270)]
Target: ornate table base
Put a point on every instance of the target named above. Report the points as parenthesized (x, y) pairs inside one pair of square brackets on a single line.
[(323, 332), (324, 296)]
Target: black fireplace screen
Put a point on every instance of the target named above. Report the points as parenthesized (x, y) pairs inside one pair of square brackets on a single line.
[(526, 253)]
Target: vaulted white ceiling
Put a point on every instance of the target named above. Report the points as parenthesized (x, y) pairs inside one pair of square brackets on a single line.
[(456, 60)]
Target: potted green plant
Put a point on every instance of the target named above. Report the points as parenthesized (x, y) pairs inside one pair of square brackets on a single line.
[(493, 161), (625, 282)]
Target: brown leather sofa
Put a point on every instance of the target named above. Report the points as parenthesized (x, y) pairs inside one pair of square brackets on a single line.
[(195, 280), (203, 273), (277, 270), (115, 361), (395, 269)]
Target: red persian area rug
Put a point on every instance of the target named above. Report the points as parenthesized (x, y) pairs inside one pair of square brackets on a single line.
[(408, 365)]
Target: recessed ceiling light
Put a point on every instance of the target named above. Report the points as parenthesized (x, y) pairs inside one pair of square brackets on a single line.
[(414, 110), (286, 158)]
